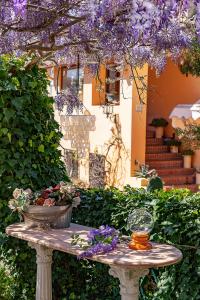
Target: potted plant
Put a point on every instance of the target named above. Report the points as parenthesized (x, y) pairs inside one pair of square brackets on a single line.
[(159, 125), (187, 158), (197, 175), (144, 174), (50, 207), (173, 144)]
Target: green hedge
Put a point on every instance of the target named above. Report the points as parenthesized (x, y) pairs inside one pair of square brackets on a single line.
[(177, 221)]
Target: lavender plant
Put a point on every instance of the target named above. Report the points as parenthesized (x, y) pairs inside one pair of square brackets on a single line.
[(99, 241)]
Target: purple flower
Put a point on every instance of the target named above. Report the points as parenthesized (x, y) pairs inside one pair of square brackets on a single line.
[(19, 6), (100, 241), (136, 32)]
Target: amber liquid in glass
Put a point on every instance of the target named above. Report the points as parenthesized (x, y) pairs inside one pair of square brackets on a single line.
[(140, 241)]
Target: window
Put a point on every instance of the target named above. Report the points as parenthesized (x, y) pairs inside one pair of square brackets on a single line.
[(51, 78), (112, 86), (73, 78)]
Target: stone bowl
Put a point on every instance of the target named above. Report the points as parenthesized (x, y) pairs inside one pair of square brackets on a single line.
[(47, 217)]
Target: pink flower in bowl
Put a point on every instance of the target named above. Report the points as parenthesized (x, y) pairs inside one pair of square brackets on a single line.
[(49, 202)]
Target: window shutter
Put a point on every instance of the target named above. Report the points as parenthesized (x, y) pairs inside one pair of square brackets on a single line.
[(99, 87)]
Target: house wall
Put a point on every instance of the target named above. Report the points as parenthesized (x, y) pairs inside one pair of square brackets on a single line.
[(168, 90), (110, 137)]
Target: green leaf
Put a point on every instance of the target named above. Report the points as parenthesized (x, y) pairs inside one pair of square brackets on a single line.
[(41, 148), (9, 136), (4, 131), (8, 113), (18, 102), (30, 143), (21, 143)]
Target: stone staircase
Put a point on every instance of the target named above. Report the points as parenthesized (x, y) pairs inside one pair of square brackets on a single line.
[(169, 166)]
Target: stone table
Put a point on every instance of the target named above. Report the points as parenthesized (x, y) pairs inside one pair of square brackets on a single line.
[(125, 264)]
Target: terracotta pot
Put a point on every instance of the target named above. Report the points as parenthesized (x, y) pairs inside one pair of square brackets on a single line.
[(159, 132), (187, 161), (197, 178), (144, 181), (174, 149)]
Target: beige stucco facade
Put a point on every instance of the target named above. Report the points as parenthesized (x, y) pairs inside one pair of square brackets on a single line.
[(119, 139), (114, 137)]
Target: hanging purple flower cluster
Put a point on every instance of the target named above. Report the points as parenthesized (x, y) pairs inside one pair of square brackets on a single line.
[(69, 101), (100, 241)]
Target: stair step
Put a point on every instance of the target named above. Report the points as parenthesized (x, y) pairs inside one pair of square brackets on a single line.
[(150, 134), (179, 179), (175, 171), (192, 187), (163, 156), (156, 149), (153, 141), (165, 164)]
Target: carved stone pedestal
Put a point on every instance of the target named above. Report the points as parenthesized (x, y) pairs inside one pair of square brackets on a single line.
[(44, 281), (129, 281)]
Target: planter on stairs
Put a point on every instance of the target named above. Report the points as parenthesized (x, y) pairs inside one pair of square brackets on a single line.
[(187, 158), (187, 161), (173, 144), (174, 149), (159, 125), (159, 132)]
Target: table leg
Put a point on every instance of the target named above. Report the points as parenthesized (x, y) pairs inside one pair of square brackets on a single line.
[(129, 281), (44, 281)]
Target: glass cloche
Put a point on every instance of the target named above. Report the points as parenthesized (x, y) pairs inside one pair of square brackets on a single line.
[(140, 222)]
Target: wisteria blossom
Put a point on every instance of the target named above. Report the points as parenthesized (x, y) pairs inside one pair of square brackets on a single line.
[(99, 241), (133, 31)]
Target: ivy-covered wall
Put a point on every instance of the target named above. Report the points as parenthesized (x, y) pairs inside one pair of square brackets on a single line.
[(29, 157), (29, 135)]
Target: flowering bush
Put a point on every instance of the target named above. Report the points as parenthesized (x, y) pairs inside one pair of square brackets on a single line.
[(102, 240), (62, 194)]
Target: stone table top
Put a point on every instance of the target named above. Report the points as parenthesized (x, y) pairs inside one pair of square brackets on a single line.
[(60, 239)]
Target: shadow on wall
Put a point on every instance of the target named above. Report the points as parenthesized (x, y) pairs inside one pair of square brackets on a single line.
[(96, 170), (76, 129), (108, 168), (71, 163)]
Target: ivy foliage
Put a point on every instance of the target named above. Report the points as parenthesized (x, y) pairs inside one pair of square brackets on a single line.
[(190, 63), (29, 158), (29, 135)]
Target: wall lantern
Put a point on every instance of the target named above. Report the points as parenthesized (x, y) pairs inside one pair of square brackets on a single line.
[(108, 109)]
